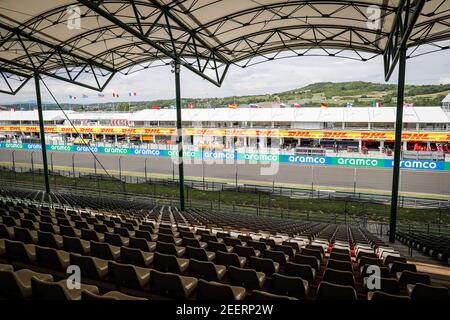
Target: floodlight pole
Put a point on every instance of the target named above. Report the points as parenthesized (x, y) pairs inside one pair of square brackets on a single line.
[(176, 69), (41, 131), (398, 143)]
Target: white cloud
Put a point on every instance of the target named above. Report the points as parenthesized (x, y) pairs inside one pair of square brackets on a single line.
[(268, 77)]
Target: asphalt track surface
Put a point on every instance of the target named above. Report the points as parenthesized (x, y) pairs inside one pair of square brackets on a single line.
[(367, 179)]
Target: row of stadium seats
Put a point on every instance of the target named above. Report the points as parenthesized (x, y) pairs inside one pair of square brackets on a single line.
[(437, 247), (325, 261)]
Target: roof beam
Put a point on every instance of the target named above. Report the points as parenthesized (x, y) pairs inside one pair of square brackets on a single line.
[(8, 78), (405, 19), (95, 6), (52, 52)]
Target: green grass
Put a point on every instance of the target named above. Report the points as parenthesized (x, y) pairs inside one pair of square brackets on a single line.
[(250, 203)]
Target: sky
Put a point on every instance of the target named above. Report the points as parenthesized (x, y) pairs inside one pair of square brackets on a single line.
[(271, 77)]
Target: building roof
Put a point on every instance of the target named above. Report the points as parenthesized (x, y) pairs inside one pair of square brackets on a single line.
[(356, 114), (446, 99)]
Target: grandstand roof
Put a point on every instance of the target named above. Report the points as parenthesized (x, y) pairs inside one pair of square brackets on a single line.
[(383, 114), (206, 35)]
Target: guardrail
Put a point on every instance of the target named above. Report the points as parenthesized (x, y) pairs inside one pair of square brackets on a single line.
[(361, 218)]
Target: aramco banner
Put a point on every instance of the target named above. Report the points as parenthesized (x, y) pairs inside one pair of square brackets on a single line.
[(249, 157)]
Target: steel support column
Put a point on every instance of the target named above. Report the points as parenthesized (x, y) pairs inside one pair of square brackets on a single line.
[(176, 68), (41, 131), (398, 142)]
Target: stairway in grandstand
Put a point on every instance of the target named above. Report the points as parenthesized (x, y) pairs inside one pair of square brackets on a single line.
[(127, 250)]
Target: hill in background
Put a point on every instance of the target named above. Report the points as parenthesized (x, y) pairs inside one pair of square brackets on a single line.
[(361, 94)]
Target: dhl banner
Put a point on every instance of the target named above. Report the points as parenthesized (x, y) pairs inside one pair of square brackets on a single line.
[(252, 158), (274, 133)]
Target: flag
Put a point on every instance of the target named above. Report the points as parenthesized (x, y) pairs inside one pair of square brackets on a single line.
[(70, 97), (191, 106), (377, 104), (297, 105), (132, 94), (135, 94), (101, 95), (84, 95), (12, 109), (324, 105), (349, 105), (408, 104), (254, 106), (232, 106), (156, 107)]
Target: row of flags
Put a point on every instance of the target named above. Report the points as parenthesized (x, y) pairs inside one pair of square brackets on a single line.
[(102, 95)]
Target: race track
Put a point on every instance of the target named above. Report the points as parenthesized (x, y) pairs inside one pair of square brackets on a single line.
[(367, 179)]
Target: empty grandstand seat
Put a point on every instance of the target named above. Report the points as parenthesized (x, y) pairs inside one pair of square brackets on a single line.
[(69, 231), (218, 246), (194, 243), (259, 295), (391, 259), (289, 286), (316, 247), (25, 235), (269, 242), (143, 244), (340, 256), (6, 267), (91, 267), (145, 235), (128, 275), (304, 271), (47, 239), (388, 285), (49, 290), (343, 278), (229, 241), (28, 224), (257, 245), (398, 266), (116, 240), (6, 232), (111, 295), (422, 291), (101, 228), (73, 244), (81, 225), (48, 227), (92, 235), (381, 296), (170, 263), (369, 261), (365, 253), (172, 285), (199, 254), (277, 256), (286, 249), (52, 258), (340, 265), (9, 221), (169, 239), (170, 248), (17, 285), (230, 259), (309, 260), (136, 256), (409, 277), (104, 250), (210, 238), (247, 278), (268, 266), (313, 253), (330, 291), (206, 270), (247, 252), (20, 252), (218, 291)]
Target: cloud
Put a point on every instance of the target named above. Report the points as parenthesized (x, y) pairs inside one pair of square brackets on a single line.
[(270, 77)]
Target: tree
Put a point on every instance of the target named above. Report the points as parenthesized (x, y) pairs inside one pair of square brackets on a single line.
[(123, 106)]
